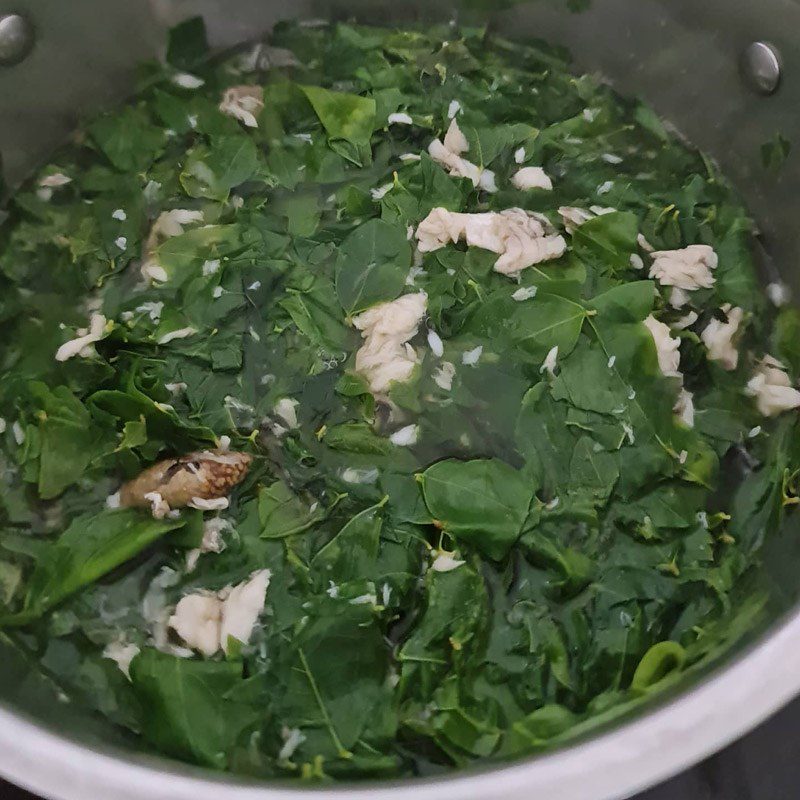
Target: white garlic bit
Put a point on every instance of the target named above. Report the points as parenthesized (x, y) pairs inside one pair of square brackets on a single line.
[(400, 118), (180, 333), (521, 238), (55, 180), (243, 103), (381, 191), (550, 361), (689, 269), (472, 357), (678, 298), (82, 344), (667, 348), (720, 337), (435, 343), (186, 80), (405, 437), (772, 388), (386, 357), (293, 738), (532, 178)]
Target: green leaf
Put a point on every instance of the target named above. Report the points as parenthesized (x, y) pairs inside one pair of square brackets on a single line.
[(609, 239), (347, 118), (455, 612), (318, 318), (387, 101), (134, 434), (183, 256), (628, 302), (337, 694), (405, 500), (372, 265), (211, 172), (593, 469), (786, 338), (92, 546), (483, 503), (659, 662), (70, 439), (421, 188), (487, 144), (737, 281), (282, 513), (195, 710), (352, 553), (532, 327), (536, 730), (357, 437), (302, 213), (587, 381), (128, 139), (543, 438)]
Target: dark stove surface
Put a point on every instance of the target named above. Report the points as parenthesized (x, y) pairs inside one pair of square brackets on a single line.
[(765, 765)]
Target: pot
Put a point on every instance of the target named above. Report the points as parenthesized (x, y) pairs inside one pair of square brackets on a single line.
[(725, 72)]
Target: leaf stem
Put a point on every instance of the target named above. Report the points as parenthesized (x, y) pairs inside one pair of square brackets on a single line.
[(343, 752)]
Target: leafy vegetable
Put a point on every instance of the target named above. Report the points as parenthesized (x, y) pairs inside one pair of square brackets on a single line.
[(192, 709), (282, 513), (484, 503), (372, 265), (552, 514), (212, 172), (348, 119), (90, 548)]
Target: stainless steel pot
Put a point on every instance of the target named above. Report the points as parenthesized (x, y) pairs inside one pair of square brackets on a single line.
[(695, 62)]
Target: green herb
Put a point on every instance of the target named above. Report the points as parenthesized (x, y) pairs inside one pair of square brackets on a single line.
[(523, 539)]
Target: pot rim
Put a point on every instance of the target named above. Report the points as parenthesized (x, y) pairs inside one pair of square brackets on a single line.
[(640, 753)]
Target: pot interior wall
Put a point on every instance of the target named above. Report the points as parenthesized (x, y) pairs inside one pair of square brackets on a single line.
[(680, 55)]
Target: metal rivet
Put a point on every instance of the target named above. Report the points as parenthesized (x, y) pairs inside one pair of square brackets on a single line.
[(16, 38), (761, 67)]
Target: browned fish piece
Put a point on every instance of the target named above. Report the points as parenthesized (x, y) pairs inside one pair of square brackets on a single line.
[(207, 475)]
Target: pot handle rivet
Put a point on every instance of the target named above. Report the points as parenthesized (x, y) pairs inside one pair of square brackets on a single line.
[(761, 67), (17, 37)]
